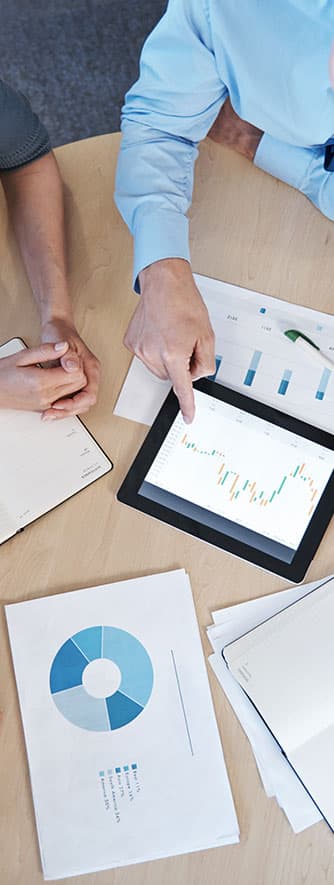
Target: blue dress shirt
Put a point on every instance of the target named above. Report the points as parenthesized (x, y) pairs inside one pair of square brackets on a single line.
[(271, 58)]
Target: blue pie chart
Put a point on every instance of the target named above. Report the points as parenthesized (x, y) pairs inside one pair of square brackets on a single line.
[(101, 678)]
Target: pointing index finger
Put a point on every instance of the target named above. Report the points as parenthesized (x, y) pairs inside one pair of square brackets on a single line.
[(182, 384)]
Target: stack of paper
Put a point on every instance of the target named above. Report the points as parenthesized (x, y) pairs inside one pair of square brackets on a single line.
[(278, 778), (124, 752)]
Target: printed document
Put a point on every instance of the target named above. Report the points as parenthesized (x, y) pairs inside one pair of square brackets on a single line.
[(124, 752)]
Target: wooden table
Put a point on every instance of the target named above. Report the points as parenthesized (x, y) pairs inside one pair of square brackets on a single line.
[(246, 228)]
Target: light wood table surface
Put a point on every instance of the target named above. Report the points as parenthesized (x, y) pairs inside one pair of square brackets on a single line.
[(248, 229)]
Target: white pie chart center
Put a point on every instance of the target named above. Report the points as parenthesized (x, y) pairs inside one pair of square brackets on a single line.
[(101, 678)]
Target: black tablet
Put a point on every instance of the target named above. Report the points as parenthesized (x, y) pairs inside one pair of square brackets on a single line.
[(243, 477)]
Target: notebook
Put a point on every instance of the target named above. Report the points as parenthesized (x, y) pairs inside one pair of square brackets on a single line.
[(41, 463), (286, 667)]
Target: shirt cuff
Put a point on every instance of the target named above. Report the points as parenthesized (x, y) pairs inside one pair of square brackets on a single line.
[(158, 234), (283, 160)]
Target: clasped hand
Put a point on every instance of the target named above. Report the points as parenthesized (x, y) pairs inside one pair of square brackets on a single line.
[(66, 385)]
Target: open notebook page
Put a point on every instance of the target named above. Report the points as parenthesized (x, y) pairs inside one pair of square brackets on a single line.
[(41, 464), (286, 666)]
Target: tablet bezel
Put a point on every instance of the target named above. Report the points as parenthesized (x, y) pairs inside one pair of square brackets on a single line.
[(129, 490)]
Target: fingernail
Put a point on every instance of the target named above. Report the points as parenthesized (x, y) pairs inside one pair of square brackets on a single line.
[(186, 419), (60, 345), (59, 408), (48, 417), (71, 364)]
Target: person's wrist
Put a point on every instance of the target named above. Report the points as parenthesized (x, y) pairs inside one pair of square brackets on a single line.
[(169, 270), (55, 305), (58, 317)]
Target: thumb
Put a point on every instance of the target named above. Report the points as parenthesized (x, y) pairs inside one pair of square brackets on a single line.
[(41, 354), (71, 362)]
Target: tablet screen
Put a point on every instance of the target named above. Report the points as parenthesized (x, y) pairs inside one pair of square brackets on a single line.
[(239, 474)]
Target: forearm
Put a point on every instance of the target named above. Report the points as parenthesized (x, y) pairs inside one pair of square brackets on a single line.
[(153, 193), (229, 130), (35, 203)]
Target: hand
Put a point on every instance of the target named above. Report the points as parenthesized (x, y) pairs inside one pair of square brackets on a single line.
[(170, 330), (25, 385), (78, 356)]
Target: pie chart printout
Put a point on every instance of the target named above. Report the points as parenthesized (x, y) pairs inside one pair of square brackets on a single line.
[(101, 678)]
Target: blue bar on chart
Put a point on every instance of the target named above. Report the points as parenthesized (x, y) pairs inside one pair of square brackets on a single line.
[(323, 384), (218, 362), (284, 383), (250, 374)]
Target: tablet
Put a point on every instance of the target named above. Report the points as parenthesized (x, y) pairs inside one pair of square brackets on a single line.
[(243, 477)]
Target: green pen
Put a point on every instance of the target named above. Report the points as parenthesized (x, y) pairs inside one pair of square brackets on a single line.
[(309, 347)]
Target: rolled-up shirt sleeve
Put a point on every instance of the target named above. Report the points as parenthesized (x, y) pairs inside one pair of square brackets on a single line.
[(23, 137), (166, 113), (300, 167)]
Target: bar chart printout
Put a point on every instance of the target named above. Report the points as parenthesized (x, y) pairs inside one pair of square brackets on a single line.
[(258, 359), (244, 469)]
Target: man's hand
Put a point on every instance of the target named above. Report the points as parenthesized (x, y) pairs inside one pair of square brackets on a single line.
[(25, 385), (77, 358), (170, 330)]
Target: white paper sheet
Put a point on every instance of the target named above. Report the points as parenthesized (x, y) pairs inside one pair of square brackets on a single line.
[(253, 357), (125, 761), (277, 775)]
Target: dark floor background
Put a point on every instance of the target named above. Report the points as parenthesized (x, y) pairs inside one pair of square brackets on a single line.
[(75, 59)]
